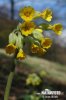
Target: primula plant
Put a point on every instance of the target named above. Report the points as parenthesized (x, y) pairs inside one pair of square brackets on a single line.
[(28, 32)]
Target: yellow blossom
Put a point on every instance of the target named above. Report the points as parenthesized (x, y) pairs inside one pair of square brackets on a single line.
[(57, 28), (34, 48), (46, 43), (33, 79), (27, 13), (27, 28), (41, 51), (43, 73), (21, 54), (10, 48), (47, 15), (28, 81)]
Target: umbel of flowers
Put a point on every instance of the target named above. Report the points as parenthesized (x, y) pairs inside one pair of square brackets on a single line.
[(29, 31)]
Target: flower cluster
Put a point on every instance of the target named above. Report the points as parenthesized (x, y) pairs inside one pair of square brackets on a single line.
[(33, 79), (28, 31)]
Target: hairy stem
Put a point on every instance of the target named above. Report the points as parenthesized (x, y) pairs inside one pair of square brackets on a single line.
[(8, 86), (10, 78)]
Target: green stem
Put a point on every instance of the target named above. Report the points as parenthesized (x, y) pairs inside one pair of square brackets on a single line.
[(8, 86), (10, 78)]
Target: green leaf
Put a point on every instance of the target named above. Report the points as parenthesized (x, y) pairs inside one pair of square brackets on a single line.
[(33, 97), (27, 97), (30, 39), (37, 34), (44, 26)]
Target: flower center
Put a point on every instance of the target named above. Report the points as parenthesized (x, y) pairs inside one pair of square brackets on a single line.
[(27, 13)]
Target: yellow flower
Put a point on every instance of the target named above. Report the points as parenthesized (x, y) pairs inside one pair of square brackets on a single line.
[(33, 79), (27, 28), (47, 15), (34, 48), (46, 43), (57, 28), (41, 51), (28, 80), (27, 13), (21, 54), (43, 73), (10, 48)]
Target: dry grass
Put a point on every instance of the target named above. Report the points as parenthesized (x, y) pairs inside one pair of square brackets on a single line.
[(55, 71)]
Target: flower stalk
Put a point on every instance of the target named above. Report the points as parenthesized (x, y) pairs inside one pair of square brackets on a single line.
[(10, 78), (27, 32), (8, 86)]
